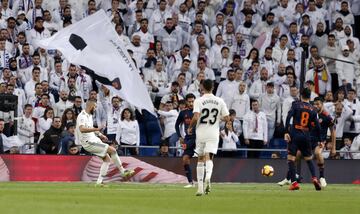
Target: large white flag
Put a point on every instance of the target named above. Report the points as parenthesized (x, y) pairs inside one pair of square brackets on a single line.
[(93, 43)]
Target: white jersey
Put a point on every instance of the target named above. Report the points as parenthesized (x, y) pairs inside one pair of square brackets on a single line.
[(84, 119), (211, 109)]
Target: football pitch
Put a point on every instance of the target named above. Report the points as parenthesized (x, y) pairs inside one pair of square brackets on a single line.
[(139, 198)]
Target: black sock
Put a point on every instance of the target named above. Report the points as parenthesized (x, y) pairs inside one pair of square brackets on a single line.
[(321, 170), (188, 173), (291, 172), (311, 167), (298, 168), (288, 177)]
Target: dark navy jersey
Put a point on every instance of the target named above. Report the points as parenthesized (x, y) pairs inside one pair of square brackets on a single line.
[(304, 119), (185, 118), (326, 122)]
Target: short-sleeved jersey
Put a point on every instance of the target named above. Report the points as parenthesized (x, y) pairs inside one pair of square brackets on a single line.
[(211, 109), (185, 117), (326, 122), (304, 118), (84, 119)]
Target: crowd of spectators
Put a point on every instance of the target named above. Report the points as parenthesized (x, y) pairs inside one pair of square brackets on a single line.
[(259, 53)]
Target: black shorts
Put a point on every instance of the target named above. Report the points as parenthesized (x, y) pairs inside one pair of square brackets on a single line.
[(314, 143), (300, 142), (190, 146)]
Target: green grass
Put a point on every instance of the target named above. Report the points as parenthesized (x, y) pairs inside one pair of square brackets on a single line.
[(129, 198)]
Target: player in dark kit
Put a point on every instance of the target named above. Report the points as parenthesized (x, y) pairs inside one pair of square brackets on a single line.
[(188, 142), (326, 123), (298, 136)]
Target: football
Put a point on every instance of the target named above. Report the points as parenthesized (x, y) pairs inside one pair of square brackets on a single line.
[(267, 171)]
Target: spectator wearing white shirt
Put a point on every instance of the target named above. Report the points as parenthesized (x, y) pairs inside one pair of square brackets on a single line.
[(35, 11), (241, 102), (347, 70), (30, 85), (345, 14), (147, 39), (341, 113), (44, 122), (128, 132), (352, 126), (62, 104), (158, 18), (49, 24), (287, 102), (227, 88), (229, 140), (217, 28), (26, 130), (168, 117), (242, 47), (215, 53), (5, 55), (255, 129), (330, 52), (320, 76), (355, 147), (5, 9), (270, 104), (345, 151), (157, 80), (38, 32), (195, 88), (280, 50), (209, 73), (258, 87), (264, 26)]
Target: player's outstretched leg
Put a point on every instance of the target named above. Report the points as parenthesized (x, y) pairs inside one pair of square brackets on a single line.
[(320, 162), (291, 163), (188, 172), (209, 165), (314, 179), (103, 171), (200, 170), (116, 159)]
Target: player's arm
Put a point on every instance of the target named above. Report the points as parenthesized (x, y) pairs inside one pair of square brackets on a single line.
[(193, 122), (178, 122), (287, 123), (84, 129), (316, 125), (333, 141), (332, 128)]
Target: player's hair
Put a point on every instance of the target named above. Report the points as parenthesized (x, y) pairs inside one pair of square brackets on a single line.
[(306, 93), (90, 102), (320, 99), (208, 85), (189, 96)]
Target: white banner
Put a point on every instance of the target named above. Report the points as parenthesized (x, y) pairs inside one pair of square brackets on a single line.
[(94, 44)]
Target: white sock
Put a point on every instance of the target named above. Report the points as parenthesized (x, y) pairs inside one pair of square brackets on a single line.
[(208, 168), (103, 171), (117, 161), (200, 176)]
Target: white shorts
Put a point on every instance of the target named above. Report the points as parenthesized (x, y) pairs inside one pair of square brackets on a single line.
[(96, 147), (209, 146)]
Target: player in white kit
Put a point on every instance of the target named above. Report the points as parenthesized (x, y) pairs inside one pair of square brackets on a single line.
[(91, 140), (208, 111)]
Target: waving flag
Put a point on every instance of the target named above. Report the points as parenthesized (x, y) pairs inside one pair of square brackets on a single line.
[(93, 44)]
